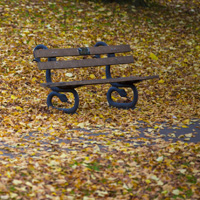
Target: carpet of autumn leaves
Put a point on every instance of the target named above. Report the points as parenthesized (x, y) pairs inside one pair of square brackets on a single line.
[(98, 153)]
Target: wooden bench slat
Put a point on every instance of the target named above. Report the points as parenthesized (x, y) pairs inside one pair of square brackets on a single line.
[(85, 62), (74, 84), (47, 53)]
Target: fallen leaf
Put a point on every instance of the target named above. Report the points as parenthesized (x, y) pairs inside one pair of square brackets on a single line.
[(153, 56)]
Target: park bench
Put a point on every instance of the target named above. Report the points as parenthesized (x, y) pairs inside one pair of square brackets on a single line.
[(100, 48)]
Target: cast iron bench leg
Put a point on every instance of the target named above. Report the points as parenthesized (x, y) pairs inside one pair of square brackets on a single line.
[(63, 98), (122, 93)]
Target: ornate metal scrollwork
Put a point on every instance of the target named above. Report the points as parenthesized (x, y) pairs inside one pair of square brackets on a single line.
[(115, 86), (122, 93), (63, 98), (56, 90)]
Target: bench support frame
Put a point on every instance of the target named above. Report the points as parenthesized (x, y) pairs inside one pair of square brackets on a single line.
[(115, 87)]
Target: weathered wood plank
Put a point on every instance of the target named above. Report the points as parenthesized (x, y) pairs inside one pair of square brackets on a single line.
[(47, 53), (74, 84), (85, 63)]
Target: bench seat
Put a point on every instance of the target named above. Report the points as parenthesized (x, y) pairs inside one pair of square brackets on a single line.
[(75, 84)]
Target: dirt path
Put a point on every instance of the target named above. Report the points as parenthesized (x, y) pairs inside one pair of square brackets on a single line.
[(105, 139)]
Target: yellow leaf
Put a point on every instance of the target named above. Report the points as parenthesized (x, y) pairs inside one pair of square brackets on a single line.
[(171, 150), (100, 193), (13, 97), (164, 192), (17, 182), (92, 76), (159, 159), (33, 79), (188, 135), (102, 9), (13, 195), (109, 13), (153, 56), (81, 125), (118, 133), (88, 198), (172, 135), (19, 108), (29, 184), (147, 181), (182, 171), (184, 126), (160, 183), (1, 152), (197, 47), (69, 74), (187, 121), (176, 192), (87, 158), (154, 177), (8, 174), (101, 116), (96, 149), (38, 144), (161, 81)]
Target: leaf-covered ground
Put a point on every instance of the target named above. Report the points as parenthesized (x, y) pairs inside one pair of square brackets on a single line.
[(46, 154)]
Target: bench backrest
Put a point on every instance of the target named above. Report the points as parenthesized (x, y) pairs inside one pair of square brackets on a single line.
[(53, 53)]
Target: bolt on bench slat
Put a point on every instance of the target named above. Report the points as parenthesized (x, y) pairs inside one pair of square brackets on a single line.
[(48, 53), (85, 63)]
